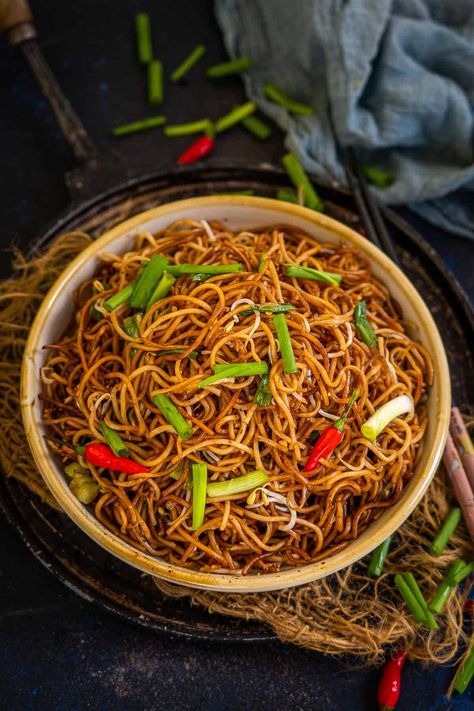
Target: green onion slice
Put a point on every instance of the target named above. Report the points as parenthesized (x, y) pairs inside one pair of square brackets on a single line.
[(464, 673), (155, 83), (147, 281), (410, 600), (120, 297), (113, 439), (137, 126), (287, 196), (298, 272), (378, 558), (400, 405), (235, 116), (256, 127), (162, 289), (237, 485), (186, 129), (180, 269), (450, 524), (376, 176), (278, 97), (188, 62), (237, 370), (235, 66), (171, 413), (267, 309), (199, 474), (263, 395), (364, 328), (299, 178), (131, 326), (429, 621), (284, 339), (143, 32)]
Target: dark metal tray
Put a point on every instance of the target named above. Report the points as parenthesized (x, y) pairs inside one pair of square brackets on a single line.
[(88, 569)]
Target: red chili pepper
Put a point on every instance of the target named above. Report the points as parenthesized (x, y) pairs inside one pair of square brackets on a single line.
[(469, 605), (102, 456), (390, 682), (330, 437), (197, 150)]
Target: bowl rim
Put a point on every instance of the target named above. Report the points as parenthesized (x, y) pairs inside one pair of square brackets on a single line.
[(288, 577)]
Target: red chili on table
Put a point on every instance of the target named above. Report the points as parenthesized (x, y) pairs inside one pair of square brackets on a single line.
[(390, 682), (197, 150), (102, 456), (330, 437)]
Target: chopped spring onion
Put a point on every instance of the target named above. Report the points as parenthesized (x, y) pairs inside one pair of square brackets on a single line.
[(378, 558), (162, 289), (298, 272), (199, 472), (84, 488), (268, 309), (376, 176), (143, 32), (199, 278), (155, 82), (410, 600), (255, 126), (450, 524), (235, 66), (188, 62), (263, 395), (235, 116), (464, 673), (237, 485), (400, 405), (137, 126), (175, 351), (147, 281), (284, 339), (429, 621), (299, 178), (75, 469), (363, 325), (186, 129), (278, 97), (113, 439), (180, 269), (238, 370), (287, 196), (261, 261), (171, 413), (456, 573), (131, 326), (121, 296), (94, 312)]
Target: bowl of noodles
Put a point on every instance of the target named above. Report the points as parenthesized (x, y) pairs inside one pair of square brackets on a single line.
[(235, 393)]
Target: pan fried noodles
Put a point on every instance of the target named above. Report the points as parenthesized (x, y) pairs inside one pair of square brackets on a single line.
[(197, 374)]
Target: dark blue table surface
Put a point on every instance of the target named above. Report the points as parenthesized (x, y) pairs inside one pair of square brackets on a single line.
[(56, 650)]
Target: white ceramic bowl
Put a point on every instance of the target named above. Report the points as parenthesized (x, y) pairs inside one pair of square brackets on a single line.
[(236, 212)]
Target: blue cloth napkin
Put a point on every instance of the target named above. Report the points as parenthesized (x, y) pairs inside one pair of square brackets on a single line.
[(398, 76)]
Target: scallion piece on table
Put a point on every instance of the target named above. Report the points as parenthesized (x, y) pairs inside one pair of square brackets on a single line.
[(186, 129), (375, 176), (155, 83), (180, 269), (188, 62), (278, 97), (450, 524), (235, 116), (429, 620), (242, 64), (287, 196), (299, 178), (256, 127), (131, 326), (147, 281), (464, 672), (199, 474), (120, 297), (171, 413), (217, 489), (284, 339), (137, 126), (410, 601), (400, 405), (113, 439), (378, 558), (239, 370), (298, 272), (162, 289), (456, 573), (263, 395), (363, 325), (143, 32), (267, 309)]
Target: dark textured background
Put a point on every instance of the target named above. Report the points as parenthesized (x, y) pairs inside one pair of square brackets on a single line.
[(57, 651)]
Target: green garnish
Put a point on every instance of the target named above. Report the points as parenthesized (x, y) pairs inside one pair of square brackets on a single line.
[(238, 370), (400, 405), (155, 83), (298, 272), (235, 66), (378, 558), (162, 289), (84, 488), (284, 339), (188, 62), (120, 297), (364, 328), (171, 413), (199, 278), (137, 126), (199, 474), (450, 524), (456, 573), (74, 469), (278, 97), (131, 326), (300, 179), (113, 439), (256, 127), (429, 621), (147, 281), (235, 116), (186, 129), (376, 176), (263, 396), (237, 485), (287, 196), (464, 673), (180, 269), (267, 309), (143, 32)]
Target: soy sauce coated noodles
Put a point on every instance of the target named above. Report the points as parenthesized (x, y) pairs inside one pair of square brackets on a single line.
[(97, 372)]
